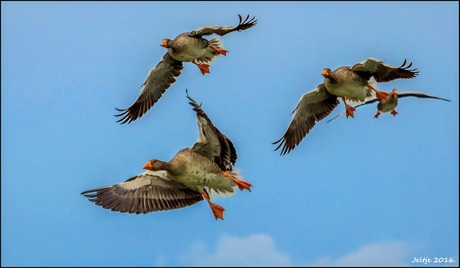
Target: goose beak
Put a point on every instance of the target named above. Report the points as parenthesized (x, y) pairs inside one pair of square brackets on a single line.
[(325, 72), (164, 43), (148, 165)]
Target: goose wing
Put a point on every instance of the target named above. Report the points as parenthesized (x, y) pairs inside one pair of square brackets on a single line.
[(312, 107), (157, 82), (223, 30), (419, 95), (147, 192), (383, 72), (211, 142)]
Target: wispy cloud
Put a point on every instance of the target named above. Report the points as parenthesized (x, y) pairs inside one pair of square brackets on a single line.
[(260, 250), (254, 250), (393, 253)]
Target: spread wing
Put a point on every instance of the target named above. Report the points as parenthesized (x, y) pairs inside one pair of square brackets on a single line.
[(211, 142), (144, 193), (419, 95), (383, 72), (312, 107), (223, 30), (158, 80), (400, 95)]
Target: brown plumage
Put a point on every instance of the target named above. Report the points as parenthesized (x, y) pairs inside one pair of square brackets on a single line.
[(186, 47), (193, 173), (206, 166), (147, 192), (389, 103), (348, 83)]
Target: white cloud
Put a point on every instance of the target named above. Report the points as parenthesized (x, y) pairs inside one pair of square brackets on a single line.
[(254, 250), (393, 253), (260, 250)]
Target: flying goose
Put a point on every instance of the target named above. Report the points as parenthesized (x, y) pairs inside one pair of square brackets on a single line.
[(186, 47), (349, 84), (206, 166), (391, 101), (196, 172)]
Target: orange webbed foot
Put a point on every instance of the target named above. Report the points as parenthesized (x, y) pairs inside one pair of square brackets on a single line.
[(217, 211), (243, 185), (381, 95), (220, 50), (204, 68), (240, 183), (394, 113), (349, 111)]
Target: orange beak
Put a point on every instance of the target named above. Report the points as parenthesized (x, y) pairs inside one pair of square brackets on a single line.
[(395, 91), (148, 165), (325, 72), (164, 43)]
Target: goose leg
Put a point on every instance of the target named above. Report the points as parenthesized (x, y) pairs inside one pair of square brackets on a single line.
[(219, 50), (393, 112), (217, 210), (377, 115), (241, 184), (204, 68), (349, 110), (381, 95)]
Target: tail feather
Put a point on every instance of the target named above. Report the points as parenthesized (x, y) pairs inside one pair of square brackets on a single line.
[(208, 57), (226, 188), (213, 192), (216, 42)]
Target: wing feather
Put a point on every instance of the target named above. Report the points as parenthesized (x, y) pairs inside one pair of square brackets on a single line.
[(211, 142), (157, 82), (144, 193), (312, 107), (419, 95), (223, 30), (383, 72)]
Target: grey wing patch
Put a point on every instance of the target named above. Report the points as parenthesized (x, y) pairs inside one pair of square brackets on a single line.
[(361, 104), (223, 30), (211, 142), (157, 82), (383, 72), (312, 107), (419, 95), (144, 193)]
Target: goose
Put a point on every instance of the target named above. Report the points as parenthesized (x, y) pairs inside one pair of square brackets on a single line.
[(186, 47), (207, 166), (348, 83), (146, 192), (391, 101)]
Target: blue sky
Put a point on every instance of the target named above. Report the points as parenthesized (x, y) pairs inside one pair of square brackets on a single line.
[(360, 191)]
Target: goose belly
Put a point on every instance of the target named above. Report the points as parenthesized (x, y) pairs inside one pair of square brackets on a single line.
[(386, 106), (189, 54), (205, 178), (201, 172), (353, 91), (189, 48)]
